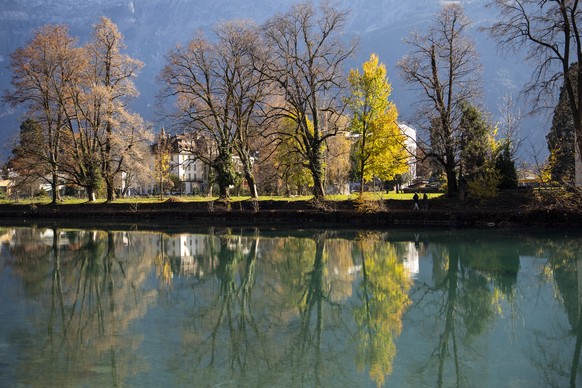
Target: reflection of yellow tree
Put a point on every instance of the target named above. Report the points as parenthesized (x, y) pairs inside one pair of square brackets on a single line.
[(162, 263), (384, 292)]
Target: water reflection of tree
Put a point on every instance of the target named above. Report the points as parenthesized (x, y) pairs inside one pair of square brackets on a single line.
[(30, 257), (468, 279), (565, 266), (289, 334), (222, 340), (383, 291), (234, 298), (85, 305), (313, 292)]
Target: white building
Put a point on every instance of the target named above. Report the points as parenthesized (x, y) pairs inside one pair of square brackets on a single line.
[(410, 142), (191, 171)]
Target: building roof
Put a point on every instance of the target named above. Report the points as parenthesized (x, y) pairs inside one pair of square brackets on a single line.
[(180, 143)]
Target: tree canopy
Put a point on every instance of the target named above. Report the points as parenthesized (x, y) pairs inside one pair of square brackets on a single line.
[(379, 147)]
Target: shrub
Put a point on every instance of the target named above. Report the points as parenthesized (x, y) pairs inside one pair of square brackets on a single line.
[(369, 204), (485, 184)]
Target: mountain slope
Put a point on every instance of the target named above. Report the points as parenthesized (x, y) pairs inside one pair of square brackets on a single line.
[(152, 27)]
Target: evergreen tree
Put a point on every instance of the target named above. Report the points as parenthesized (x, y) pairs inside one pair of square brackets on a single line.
[(561, 137), (475, 140), (505, 165), (28, 160)]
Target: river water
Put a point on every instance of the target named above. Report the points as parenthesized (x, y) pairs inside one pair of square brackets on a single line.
[(262, 308)]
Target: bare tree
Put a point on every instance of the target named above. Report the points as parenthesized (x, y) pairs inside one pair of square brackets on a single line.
[(41, 73), (511, 120), (218, 94), (444, 66), (78, 96), (81, 162), (239, 43), (550, 32), (305, 63), (136, 169), (110, 74)]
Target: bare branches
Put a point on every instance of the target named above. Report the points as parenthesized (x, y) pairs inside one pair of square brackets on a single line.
[(220, 91), (549, 33), (78, 97), (443, 66), (306, 64)]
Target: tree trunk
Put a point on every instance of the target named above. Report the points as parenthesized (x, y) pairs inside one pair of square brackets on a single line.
[(223, 191), (318, 190), (224, 168), (110, 189), (362, 158), (362, 167), (252, 186), (318, 173), (91, 197), (250, 178), (55, 187), (452, 187)]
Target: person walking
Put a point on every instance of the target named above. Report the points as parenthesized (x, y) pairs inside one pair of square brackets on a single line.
[(415, 199), (424, 202)]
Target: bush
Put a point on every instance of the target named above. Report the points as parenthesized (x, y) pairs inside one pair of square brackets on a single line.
[(485, 184), (369, 204)]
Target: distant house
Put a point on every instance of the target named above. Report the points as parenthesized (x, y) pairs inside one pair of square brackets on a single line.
[(6, 187), (185, 163), (192, 172)]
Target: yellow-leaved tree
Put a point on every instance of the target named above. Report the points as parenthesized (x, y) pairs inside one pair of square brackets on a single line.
[(380, 144)]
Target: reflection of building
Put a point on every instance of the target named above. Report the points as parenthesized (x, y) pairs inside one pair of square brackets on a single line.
[(187, 253), (410, 258), (341, 271), (47, 237)]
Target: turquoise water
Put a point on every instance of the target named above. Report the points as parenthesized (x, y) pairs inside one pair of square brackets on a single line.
[(257, 308)]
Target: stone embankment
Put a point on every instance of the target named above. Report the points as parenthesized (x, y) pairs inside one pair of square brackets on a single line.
[(297, 214)]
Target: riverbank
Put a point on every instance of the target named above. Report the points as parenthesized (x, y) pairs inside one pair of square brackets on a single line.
[(504, 211)]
